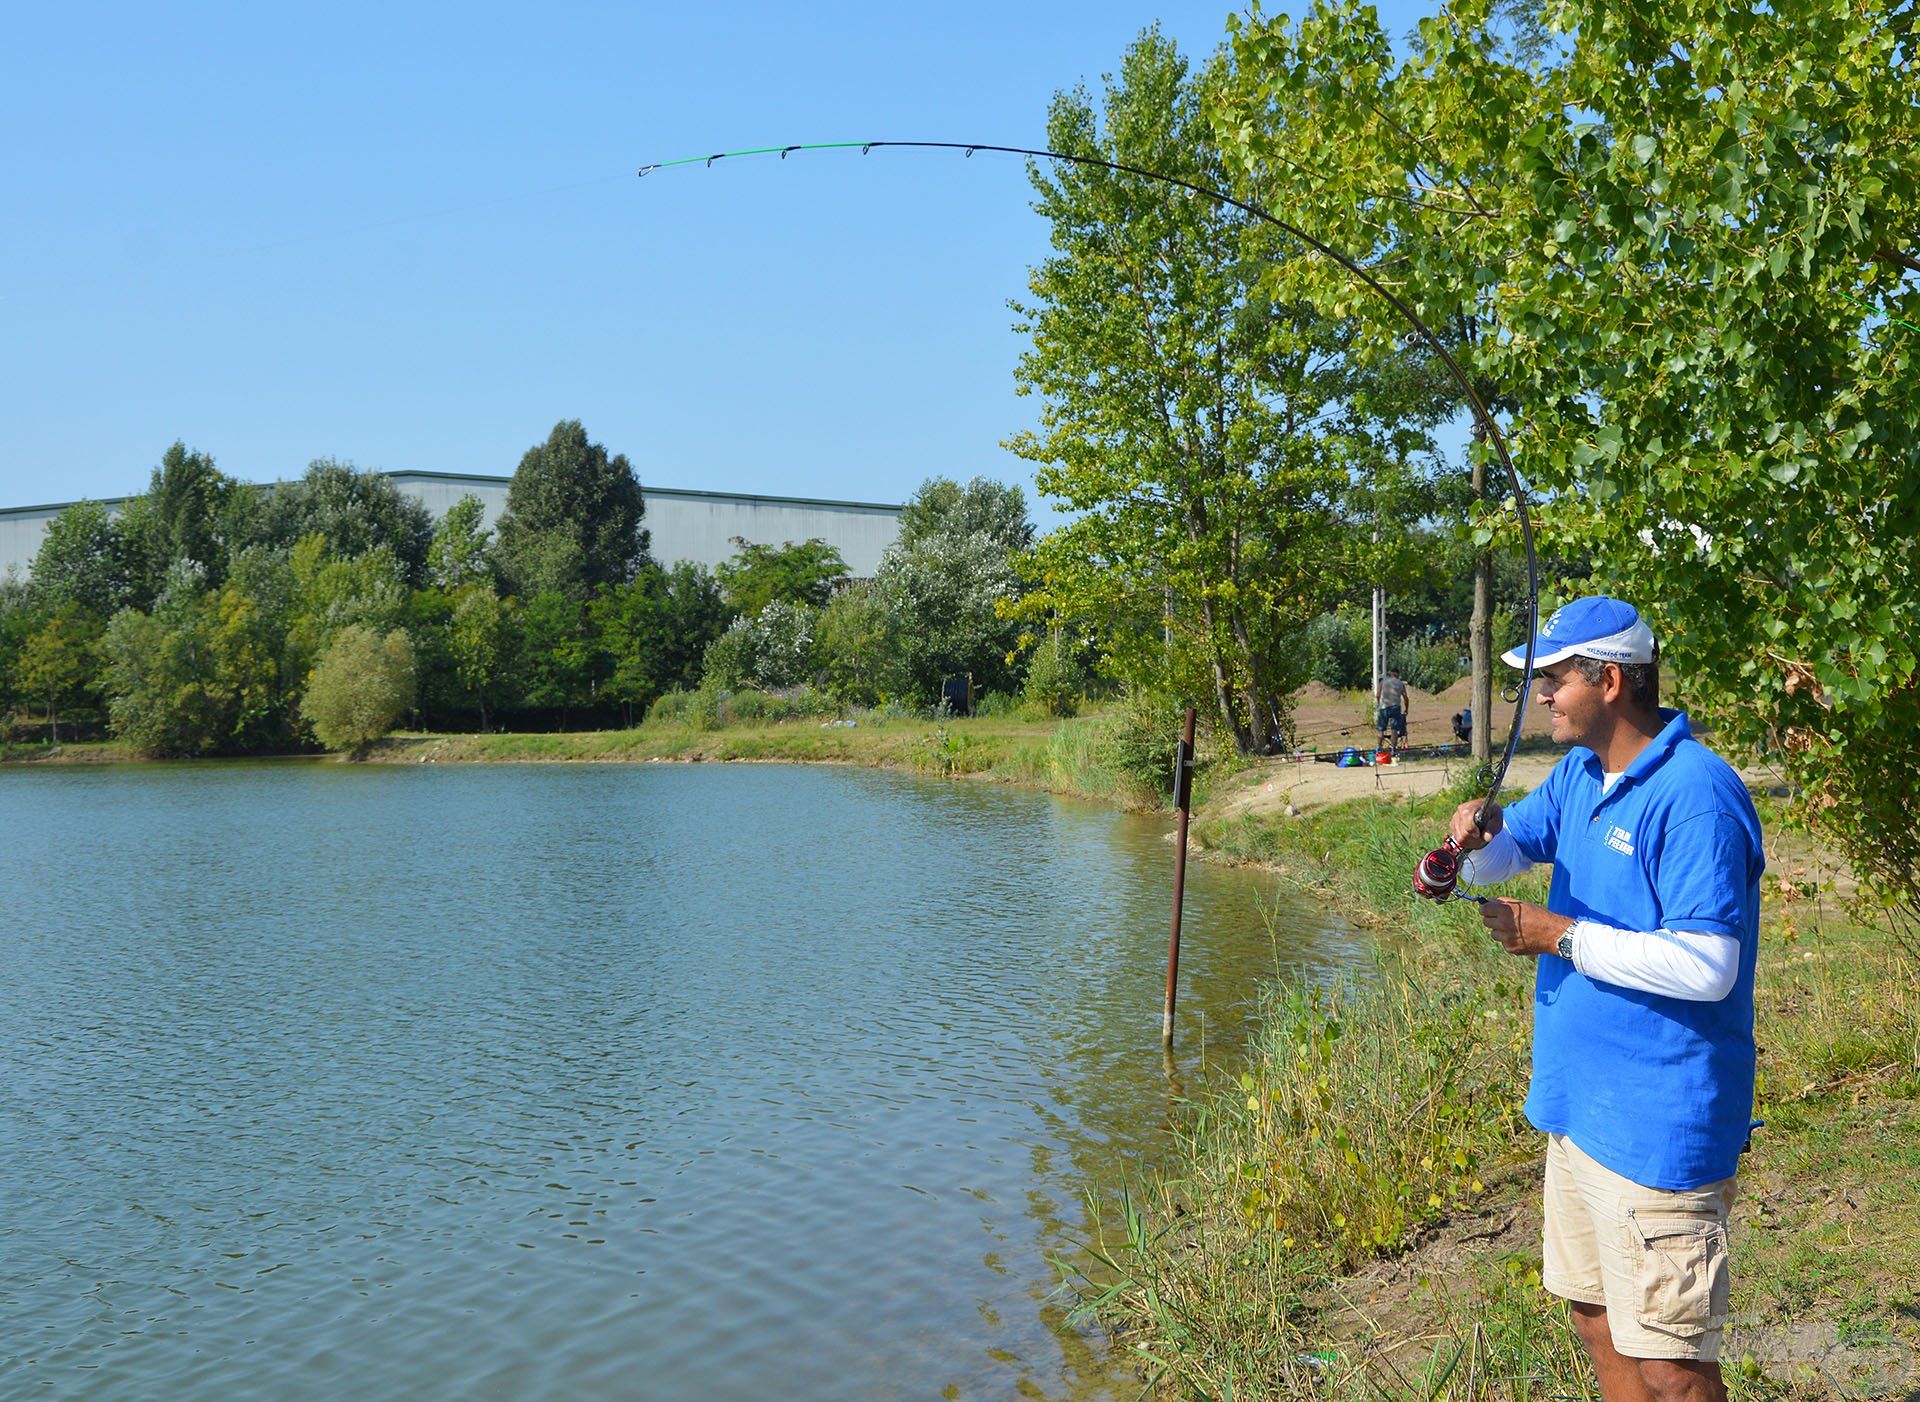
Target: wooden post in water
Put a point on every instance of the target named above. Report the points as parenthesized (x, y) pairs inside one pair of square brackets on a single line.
[(1183, 802)]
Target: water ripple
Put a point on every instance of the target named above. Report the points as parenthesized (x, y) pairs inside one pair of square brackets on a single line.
[(576, 1081)]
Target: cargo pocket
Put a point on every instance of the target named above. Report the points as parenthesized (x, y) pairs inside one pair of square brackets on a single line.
[(1680, 1271)]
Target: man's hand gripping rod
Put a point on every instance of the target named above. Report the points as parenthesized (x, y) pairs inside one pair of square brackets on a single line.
[(1437, 877)]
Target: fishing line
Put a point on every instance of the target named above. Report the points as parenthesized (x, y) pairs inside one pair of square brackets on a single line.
[(1482, 417)]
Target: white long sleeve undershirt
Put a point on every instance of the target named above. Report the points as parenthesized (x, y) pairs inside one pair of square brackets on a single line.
[(1687, 964)]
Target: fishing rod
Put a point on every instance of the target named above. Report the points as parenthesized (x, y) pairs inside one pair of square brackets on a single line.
[(1438, 873)]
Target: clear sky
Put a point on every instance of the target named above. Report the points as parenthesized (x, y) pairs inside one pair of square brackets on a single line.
[(412, 237)]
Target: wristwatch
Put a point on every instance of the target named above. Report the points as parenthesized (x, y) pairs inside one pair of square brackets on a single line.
[(1564, 946)]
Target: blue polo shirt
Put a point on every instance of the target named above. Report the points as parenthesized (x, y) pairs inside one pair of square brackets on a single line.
[(1658, 1089)]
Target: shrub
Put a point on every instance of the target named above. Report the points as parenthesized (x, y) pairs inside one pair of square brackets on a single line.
[(713, 706), (1055, 676), (1000, 704), (362, 684), (1138, 739), (773, 648), (670, 706), (700, 708), (729, 657), (1338, 649), (1430, 666)]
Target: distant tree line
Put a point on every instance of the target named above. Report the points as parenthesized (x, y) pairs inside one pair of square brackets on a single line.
[(208, 616)]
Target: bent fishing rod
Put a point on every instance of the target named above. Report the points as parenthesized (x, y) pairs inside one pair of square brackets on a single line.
[(1438, 873)]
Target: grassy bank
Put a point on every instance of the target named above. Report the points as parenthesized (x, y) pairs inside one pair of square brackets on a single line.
[(1072, 756), (1356, 1214)]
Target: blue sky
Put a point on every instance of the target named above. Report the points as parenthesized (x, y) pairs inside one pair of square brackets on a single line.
[(411, 237)]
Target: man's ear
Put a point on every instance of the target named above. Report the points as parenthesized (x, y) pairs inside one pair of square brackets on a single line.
[(1614, 688)]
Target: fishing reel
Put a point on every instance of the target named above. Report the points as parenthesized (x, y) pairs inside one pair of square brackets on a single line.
[(1438, 873), (1437, 877)]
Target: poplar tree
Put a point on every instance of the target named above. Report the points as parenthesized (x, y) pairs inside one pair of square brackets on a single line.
[(1192, 422), (1691, 233)]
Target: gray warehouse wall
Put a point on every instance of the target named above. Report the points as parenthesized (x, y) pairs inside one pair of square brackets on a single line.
[(686, 525)]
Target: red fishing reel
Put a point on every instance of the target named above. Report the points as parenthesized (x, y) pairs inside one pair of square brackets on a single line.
[(1438, 872)]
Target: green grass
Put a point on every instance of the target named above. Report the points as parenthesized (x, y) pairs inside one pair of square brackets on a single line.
[(1380, 1120), (1061, 756), (68, 752)]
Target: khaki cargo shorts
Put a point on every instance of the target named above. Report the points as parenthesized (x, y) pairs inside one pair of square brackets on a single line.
[(1656, 1260)]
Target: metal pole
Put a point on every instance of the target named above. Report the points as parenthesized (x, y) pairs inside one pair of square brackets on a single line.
[(1379, 645), (1183, 801)]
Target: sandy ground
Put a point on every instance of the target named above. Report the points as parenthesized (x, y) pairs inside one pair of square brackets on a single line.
[(1278, 784), (1333, 720)]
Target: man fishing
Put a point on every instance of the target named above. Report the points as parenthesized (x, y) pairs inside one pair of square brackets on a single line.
[(1643, 1048)]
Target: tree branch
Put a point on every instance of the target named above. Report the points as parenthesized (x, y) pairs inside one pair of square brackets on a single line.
[(1898, 259)]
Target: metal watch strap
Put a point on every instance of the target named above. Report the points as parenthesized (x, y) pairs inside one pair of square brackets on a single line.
[(1564, 946)]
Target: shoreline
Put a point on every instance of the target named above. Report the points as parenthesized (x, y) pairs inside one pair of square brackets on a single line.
[(1418, 1237), (1368, 1192), (1055, 756)]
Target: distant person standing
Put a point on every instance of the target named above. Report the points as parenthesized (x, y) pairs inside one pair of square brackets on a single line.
[(1463, 725), (1390, 715)]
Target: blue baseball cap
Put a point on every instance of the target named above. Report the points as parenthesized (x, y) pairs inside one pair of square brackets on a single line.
[(1609, 630)]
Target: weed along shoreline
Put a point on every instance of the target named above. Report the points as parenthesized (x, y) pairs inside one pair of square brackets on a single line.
[(1357, 1214), (1070, 757), (1353, 1208)]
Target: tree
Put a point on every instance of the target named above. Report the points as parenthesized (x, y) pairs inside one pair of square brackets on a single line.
[(206, 671), (160, 692), (573, 518), (458, 553), (1691, 234), (1193, 422), (19, 616), (186, 515), (330, 593), (58, 661), (943, 507), (850, 640), (944, 604), (796, 574), (84, 560), (482, 645), (653, 633), (696, 614), (774, 648), (247, 646), (557, 653), (354, 512), (362, 686)]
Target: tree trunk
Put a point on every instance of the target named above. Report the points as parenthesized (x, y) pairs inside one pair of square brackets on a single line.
[(1222, 688), (1259, 729)]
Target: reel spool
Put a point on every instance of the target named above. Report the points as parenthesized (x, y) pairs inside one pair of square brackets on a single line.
[(1438, 872)]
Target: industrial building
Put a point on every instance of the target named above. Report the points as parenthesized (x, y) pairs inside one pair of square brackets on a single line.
[(684, 524)]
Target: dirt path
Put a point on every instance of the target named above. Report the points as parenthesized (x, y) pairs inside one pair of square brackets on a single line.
[(1276, 785), (1333, 720)]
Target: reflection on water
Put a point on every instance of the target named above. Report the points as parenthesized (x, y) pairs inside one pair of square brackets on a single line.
[(578, 1081)]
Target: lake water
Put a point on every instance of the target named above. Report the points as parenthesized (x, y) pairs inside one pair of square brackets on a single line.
[(581, 1081)]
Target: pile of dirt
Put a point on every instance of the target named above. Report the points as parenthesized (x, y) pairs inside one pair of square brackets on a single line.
[(1317, 692), (1324, 718)]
